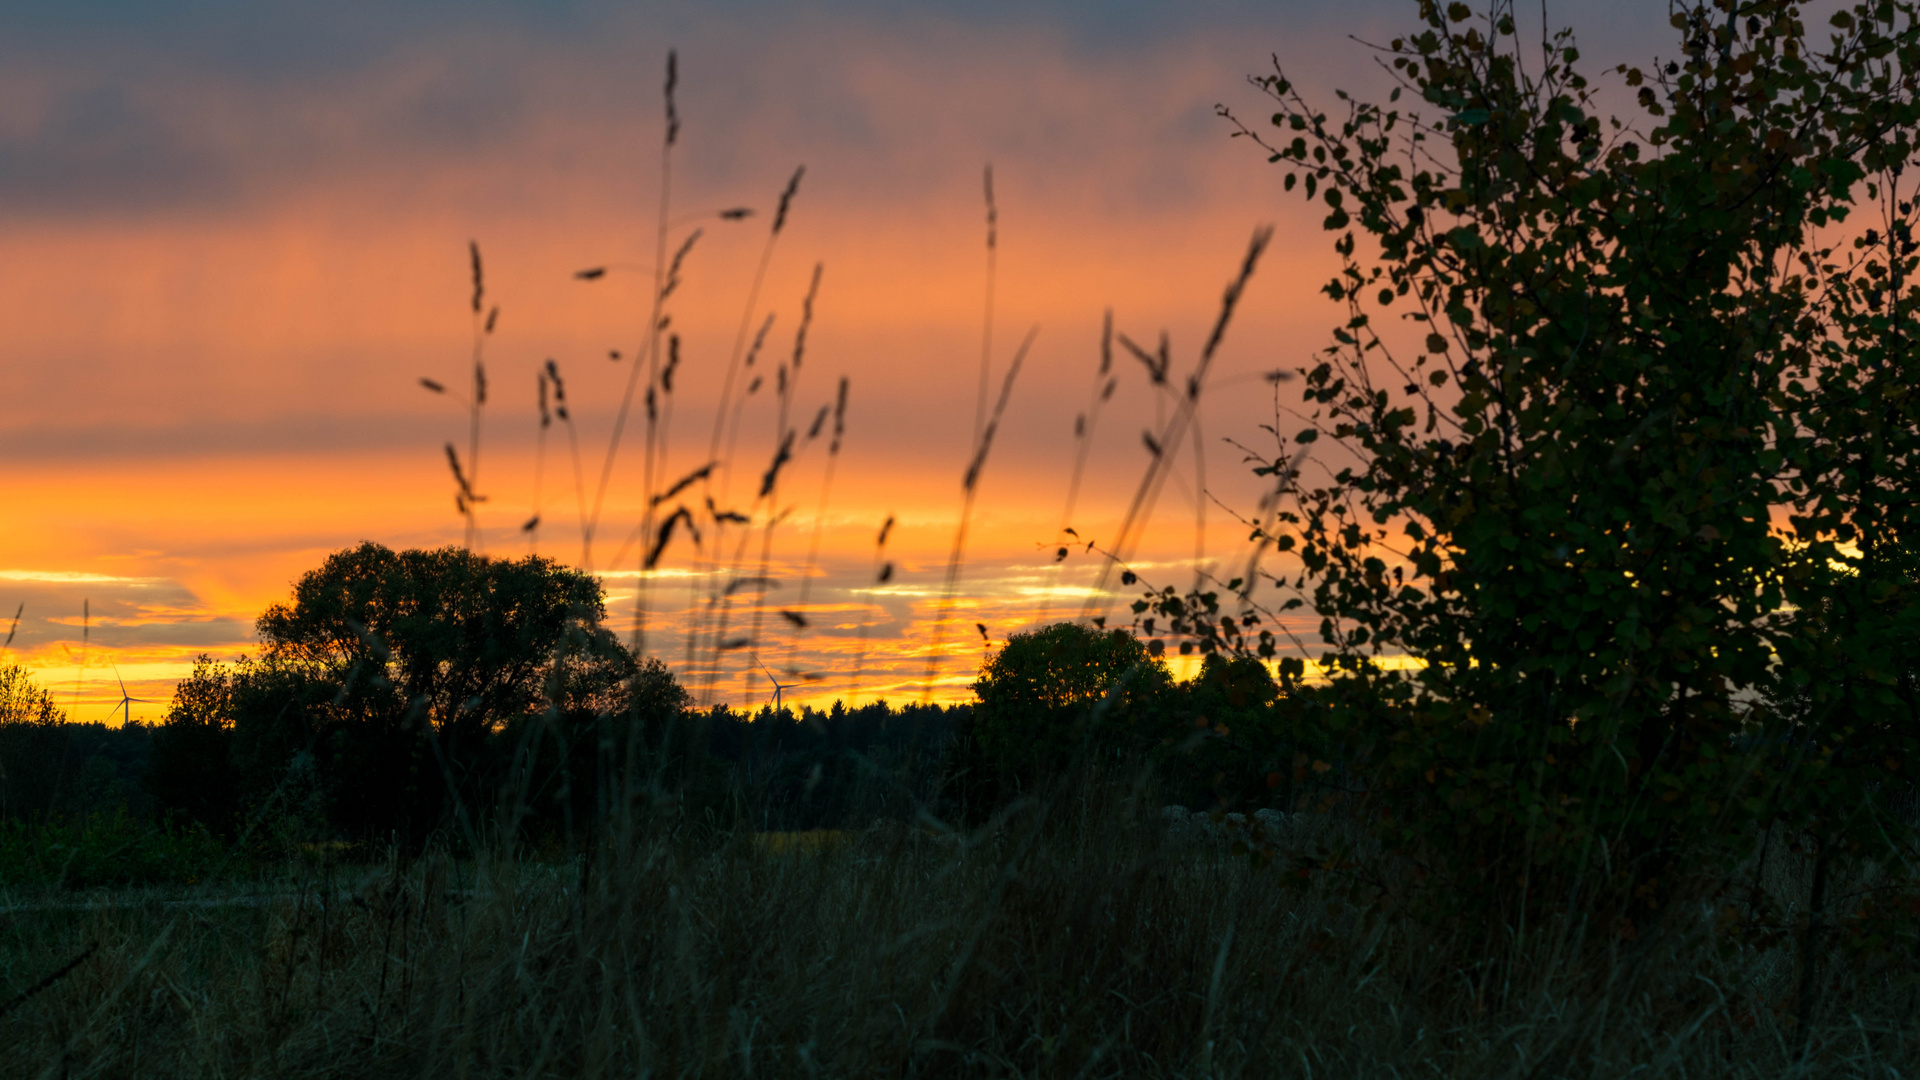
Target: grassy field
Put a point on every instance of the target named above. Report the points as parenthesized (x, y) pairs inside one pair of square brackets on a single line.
[(1073, 936)]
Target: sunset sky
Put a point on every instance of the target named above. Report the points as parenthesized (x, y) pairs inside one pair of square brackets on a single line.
[(234, 237)]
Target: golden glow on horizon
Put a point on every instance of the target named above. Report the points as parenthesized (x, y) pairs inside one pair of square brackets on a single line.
[(209, 400)]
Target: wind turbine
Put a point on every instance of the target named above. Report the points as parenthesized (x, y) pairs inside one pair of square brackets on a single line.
[(126, 700), (776, 689)]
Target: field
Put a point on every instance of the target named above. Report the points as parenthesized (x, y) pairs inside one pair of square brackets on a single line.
[(1074, 935)]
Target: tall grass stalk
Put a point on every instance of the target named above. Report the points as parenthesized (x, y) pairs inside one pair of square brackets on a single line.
[(1084, 425), (802, 611), (532, 525), (647, 354), (482, 328), (986, 320), (969, 484), (738, 359), (1175, 431), (663, 282), (881, 573), (783, 456)]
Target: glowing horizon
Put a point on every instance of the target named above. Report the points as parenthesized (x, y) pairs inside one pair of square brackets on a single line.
[(235, 246)]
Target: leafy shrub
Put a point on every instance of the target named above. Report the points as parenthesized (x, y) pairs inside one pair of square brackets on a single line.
[(614, 740), (1637, 489), (33, 746), (1229, 742), (1068, 691)]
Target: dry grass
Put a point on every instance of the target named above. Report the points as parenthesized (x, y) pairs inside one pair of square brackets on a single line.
[(1074, 937)]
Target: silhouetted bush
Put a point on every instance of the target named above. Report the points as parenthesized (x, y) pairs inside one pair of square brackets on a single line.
[(381, 688), (191, 773), (401, 694), (1065, 693)]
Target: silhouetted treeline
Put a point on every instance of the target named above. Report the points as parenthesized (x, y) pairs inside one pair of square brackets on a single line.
[(73, 769), (812, 769), (555, 775), (406, 695), (51, 767)]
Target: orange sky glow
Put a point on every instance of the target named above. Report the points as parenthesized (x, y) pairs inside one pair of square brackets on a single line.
[(213, 356)]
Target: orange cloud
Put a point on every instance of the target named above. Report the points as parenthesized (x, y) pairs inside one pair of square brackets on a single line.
[(211, 396)]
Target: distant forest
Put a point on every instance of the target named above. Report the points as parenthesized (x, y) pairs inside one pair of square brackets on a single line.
[(798, 769), (404, 696)]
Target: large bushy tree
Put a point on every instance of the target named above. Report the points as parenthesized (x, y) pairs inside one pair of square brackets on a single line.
[(391, 678), (1626, 431), (1062, 692)]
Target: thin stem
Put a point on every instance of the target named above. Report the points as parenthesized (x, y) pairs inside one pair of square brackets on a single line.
[(1101, 392), (1175, 430), (970, 483), (653, 366), (986, 327), (813, 544)]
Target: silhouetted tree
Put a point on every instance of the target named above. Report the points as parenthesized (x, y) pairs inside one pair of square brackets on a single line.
[(1053, 694), (191, 770), (388, 678), (33, 744)]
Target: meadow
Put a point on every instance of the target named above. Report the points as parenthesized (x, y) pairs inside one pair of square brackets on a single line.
[(1073, 935)]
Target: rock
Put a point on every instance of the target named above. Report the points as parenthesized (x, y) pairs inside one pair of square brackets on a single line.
[(1263, 827)]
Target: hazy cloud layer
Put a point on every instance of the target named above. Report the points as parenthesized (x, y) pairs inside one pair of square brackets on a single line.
[(234, 238)]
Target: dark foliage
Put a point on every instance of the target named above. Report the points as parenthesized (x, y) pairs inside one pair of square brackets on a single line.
[(616, 739), (191, 772), (1067, 692), (842, 767), (381, 687), (406, 693), (1623, 447), (49, 767)]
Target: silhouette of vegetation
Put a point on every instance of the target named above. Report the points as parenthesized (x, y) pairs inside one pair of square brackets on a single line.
[(404, 693), (386, 679), (50, 767), (1624, 460), (804, 768), (191, 772), (1602, 770), (1048, 695)]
